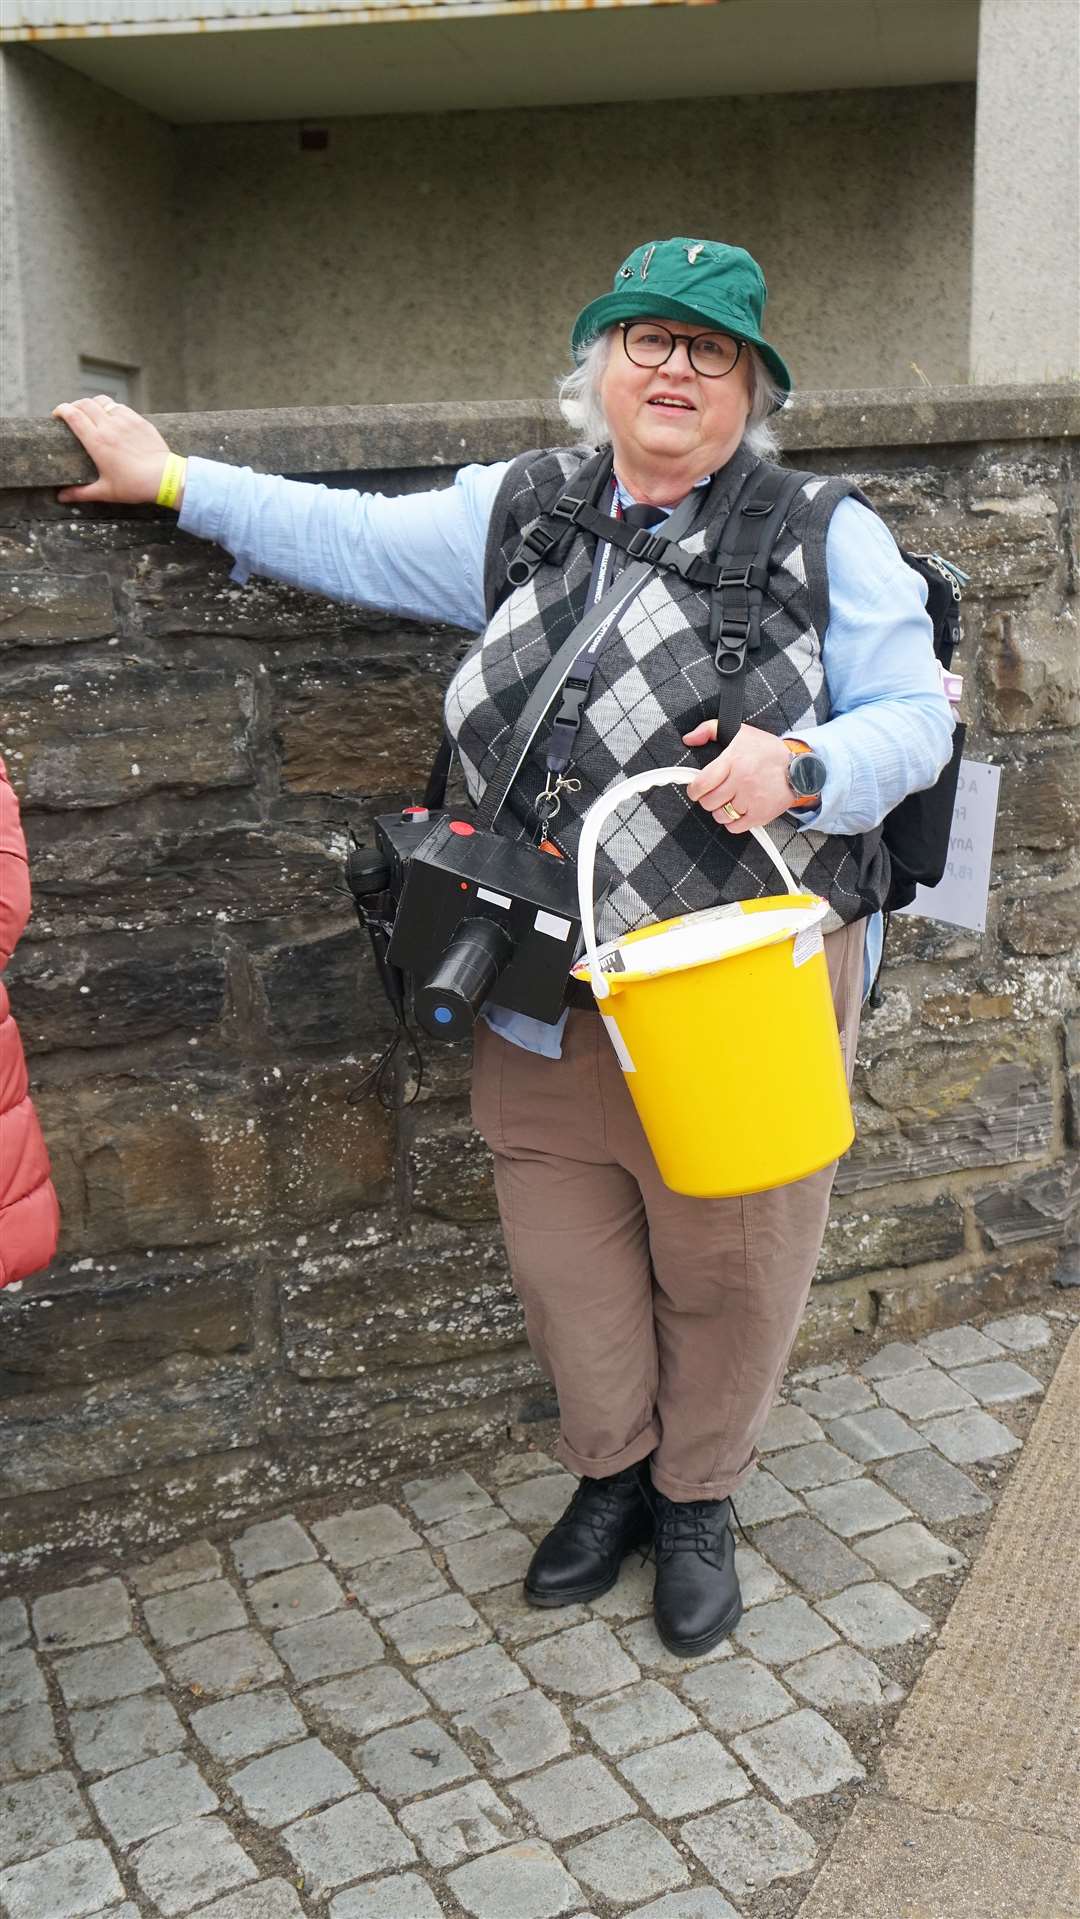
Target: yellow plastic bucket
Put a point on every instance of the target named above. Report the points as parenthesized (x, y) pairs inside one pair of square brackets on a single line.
[(723, 1024)]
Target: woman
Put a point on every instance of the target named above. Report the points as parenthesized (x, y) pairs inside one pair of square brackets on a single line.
[(29, 1213), (665, 1322)]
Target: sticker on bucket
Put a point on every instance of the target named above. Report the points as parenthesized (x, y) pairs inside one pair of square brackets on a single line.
[(807, 943), (619, 1044)]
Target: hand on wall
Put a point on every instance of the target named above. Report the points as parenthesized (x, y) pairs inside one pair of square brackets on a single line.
[(128, 452)]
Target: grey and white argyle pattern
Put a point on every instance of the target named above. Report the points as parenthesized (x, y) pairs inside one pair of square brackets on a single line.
[(655, 679)]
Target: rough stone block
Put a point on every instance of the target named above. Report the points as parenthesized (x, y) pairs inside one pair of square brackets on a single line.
[(479, 1564), (967, 1437), (409, 1305), (959, 1346), (304, 1592), (240, 1728), (833, 1397), (571, 1797), (49, 609), (861, 1506), (893, 1360), (14, 1624), (436, 1629), (1029, 670), (403, 1897), (181, 1868), (538, 1503), (522, 1731), (27, 1743), (630, 1862), (643, 1643), (815, 1465), (782, 1631), (788, 1426), (82, 1615), (38, 1814), (319, 1648), (196, 1612), (1041, 1205), (874, 1616), (925, 1394), (389, 1585), (907, 1554), (703, 1902), (979, 1103), (408, 1760), (114, 733), (272, 1547), (584, 1662), (761, 1497), (66, 1883), (146, 985), (187, 1566), (515, 1622), (451, 1493), (146, 1799), (456, 1825), (354, 1538), (329, 1846), (936, 1490), (999, 1383), (93, 1678), (74, 1339), (293, 1780), (809, 1555), (471, 1679), (632, 1594), (687, 1775), (22, 1682), (447, 1532), (270, 1899), (451, 1174), (799, 1757), (841, 1677), (750, 1845), (734, 1697), (524, 1881), (875, 1435), (1039, 805), (107, 1738), (365, 1702), (1019, 1332), (359, 726), (232, 1663), (862, 1242), (640, 1715)]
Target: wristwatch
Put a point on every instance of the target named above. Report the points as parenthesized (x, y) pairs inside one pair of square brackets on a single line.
[(806, 773)]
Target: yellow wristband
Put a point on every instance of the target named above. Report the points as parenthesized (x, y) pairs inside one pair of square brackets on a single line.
[(172, 481)]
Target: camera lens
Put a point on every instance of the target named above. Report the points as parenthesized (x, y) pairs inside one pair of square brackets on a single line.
[(449, 1000)]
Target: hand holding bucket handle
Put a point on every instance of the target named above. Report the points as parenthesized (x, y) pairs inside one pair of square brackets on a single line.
[(600, 811)]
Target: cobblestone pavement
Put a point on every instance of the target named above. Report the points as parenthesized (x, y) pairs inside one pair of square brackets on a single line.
[(359, 1717)]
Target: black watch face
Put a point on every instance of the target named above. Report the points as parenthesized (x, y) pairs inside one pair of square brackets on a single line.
[(806, 774)]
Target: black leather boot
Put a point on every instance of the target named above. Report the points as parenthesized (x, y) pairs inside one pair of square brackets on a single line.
[(581, 1555), (697, 1600)]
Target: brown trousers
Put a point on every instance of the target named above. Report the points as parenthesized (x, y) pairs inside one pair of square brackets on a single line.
[(665, 1323)]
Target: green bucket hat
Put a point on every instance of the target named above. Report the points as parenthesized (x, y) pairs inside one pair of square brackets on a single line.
[(690, 280)]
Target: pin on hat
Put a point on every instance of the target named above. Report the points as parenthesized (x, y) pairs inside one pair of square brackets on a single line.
[(701, 282)]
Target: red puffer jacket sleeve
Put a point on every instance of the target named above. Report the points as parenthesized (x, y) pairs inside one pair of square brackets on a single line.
[(29, 1214)]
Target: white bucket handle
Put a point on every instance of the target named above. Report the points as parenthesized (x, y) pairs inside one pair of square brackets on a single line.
[(598, 812)]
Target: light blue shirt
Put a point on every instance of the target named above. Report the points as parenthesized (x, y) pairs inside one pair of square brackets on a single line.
[(889, 732)]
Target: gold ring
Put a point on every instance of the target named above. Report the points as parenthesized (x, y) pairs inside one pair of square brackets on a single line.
[(109, 406), (733, 812)]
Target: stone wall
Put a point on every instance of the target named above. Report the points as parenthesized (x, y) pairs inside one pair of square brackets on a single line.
[(269, 1286)]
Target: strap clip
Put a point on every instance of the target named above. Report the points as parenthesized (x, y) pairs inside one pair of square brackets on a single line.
[(569, 506)]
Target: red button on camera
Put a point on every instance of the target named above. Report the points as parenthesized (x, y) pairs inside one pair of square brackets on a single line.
[(461, 826)]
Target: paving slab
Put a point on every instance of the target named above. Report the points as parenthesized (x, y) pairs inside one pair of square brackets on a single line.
[(687, 1775), (811, 1556), (27, 1742), (186, 1566), (701, 1902), (187, 1865), (514, 1467), (66, 1883), (816, 1465), (750, 1845), (784, 1630), (874, 1616), (584, 1662), (640, 1715), (631, 1861), (967, 1437), (471, 1679), (304, 1592), (758, 1581), (539, 1502), (798, 1757), (933, 1488), (905, 1555), (924, 1395), (572, 1796), (844, 1394), (960, 1346), (295, 1779), (479, 1564), (515, 1622), (195, 1612), (362, 1534), (232, 1662), (875, 1435), (892, 1360), (407, 1760), (389, 1585), (271, 1547), (441, 1497), (524, 1881), (841, 1677), (734, 1697), (14, 1624), (999, 1383), (788, 1426), (467, 1525), (631, 1597), (436, 1629), (106, 1738), (403, 1897), (22, 1682), (520, 1732), (321, 1648), (860, 1506), (145, 1799), (82, 1615), (1020, 1332), (109, 1672), (37, 1815), (242, 1727), (762, 1497), (347, 1841), (365, 1702), (457, 1825), (644, 1645), (270, 1899)]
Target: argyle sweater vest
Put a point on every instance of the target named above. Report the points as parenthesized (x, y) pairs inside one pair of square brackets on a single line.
[(660, 855)]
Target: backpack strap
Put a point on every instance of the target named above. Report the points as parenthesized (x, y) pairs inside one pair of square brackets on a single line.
[(742, 573)]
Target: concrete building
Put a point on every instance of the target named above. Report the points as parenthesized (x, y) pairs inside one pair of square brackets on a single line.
[(248, 203)]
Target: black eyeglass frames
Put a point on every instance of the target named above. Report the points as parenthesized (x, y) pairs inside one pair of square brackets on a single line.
[(649, 344)]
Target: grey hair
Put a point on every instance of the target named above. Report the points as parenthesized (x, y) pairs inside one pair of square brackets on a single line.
[(578, 395)]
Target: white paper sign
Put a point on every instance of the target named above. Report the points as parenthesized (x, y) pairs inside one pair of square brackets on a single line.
[(961, 896)]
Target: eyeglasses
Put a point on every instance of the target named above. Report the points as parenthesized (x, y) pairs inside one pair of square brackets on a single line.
[(710, 354)]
